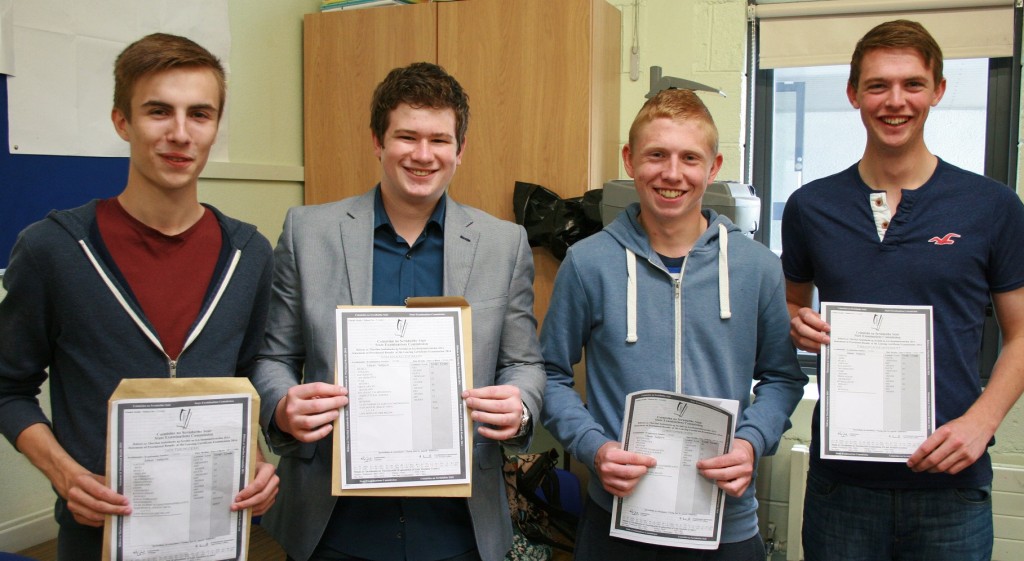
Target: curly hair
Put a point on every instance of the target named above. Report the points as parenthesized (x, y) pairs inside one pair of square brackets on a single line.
[(421, 84)]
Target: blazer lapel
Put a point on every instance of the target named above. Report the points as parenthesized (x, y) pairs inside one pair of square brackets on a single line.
[(357, 242), (460, 241)]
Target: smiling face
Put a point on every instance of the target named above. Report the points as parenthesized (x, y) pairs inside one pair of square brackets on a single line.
[(418, 155), (895, 91), (175, 114), (671, 162)]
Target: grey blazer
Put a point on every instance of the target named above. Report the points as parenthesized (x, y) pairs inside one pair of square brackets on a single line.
[(324, 259)]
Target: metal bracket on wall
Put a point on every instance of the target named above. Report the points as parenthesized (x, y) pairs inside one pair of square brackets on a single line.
[(659, 82)]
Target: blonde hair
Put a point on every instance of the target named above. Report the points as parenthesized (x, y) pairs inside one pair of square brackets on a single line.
[(678, 105)]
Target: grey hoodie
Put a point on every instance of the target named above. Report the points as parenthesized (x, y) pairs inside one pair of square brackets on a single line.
[(711, 333)]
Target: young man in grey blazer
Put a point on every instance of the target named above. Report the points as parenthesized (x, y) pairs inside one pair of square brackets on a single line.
[(404, 238)]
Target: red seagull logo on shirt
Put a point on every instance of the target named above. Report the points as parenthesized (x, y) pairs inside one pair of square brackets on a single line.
[(944, 240)]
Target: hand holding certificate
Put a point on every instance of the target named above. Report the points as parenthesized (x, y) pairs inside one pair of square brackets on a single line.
[(674, 504), (405, 430), (877, 382), (181, 450)]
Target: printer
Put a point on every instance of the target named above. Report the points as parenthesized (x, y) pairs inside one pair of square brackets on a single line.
[(735, 200)]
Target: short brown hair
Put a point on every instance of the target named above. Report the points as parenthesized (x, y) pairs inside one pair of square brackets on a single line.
[(421, 84), (155, 53), (898, 34), (678, 105)]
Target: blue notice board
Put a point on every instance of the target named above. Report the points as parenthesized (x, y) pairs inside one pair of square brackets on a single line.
[(32, 186)]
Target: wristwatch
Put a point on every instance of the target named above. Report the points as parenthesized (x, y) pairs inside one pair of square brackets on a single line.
[(524, 422)]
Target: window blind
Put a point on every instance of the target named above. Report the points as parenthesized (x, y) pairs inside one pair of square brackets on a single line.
[(825, 32)]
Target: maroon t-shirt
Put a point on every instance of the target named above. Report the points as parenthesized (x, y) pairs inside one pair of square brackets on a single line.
[(169, 275)]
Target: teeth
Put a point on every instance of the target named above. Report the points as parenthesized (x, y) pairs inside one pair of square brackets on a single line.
[(894, 120), (420, 173), (670, 193)]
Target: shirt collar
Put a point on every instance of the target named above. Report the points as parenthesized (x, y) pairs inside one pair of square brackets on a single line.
[(380, 216)]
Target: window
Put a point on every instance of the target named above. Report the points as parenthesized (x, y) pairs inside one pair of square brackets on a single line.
[(815, 132)]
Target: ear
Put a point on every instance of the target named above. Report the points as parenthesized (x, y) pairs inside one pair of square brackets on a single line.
[(462, 150), (851, 94), (627, 161), (716, 166), (378, 146), (940, 91), (120, 124)]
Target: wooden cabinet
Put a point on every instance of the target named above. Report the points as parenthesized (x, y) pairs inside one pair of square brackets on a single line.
[(543, 84)]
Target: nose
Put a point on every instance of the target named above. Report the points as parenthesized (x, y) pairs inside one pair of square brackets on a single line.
[(422, 152), (895, 97), (178, 132), (673, 170)]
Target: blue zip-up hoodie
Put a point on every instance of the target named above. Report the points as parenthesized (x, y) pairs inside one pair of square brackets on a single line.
[(68, 310), (722, 325)]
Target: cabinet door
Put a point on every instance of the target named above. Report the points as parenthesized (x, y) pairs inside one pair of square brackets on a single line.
[(525, 65), (346, 54), (543, 84)]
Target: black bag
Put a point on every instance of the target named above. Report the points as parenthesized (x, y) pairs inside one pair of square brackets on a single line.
[(540, 520), (553, 222)]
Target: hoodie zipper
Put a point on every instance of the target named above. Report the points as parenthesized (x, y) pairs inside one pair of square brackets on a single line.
[(172, 364), (678, 305)]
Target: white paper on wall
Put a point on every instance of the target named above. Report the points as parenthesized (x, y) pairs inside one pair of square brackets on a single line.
[(59, 101)]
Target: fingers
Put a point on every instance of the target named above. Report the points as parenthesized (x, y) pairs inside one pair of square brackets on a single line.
[(90, 500), (734, 487), (308, 411), (952, 448), (620, 471), (733, 478), (498, 433), (499, 409), (808, 331), (732, 472), (493, 392), (260, 494)]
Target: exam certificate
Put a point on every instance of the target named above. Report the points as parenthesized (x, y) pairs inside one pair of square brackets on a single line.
[(877, 381), (405, 424), (180, 461), (674, 504)]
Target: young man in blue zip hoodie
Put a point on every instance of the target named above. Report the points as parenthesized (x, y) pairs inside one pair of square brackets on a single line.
[(668, 297), (147, 284)]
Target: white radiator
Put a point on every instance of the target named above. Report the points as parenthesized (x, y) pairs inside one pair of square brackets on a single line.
[(1007, 508), (799, 457)]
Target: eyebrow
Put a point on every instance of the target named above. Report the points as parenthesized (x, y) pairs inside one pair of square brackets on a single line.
[(444, 135), (885, 79), (165, 105)]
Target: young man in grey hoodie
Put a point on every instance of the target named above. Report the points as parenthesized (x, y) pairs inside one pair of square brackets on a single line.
[(669, 297)]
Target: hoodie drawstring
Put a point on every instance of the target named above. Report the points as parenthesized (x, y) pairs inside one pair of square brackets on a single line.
[(724, 309), (630, 297)]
